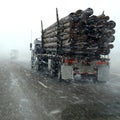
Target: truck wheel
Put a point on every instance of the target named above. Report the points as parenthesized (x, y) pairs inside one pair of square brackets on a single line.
[(95, 80), (37, 67), (31, 66), (53, 69), (52, 73), (59, 76), (32, 62)]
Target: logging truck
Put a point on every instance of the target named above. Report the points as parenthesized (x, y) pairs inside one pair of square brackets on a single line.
[(69, 51)]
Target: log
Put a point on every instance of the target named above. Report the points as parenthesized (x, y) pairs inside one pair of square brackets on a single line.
[(49, 40), (80, 31), (51, 45), (52, 34)]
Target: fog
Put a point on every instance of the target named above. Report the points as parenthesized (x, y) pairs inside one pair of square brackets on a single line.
[(19, 17), (115, 62)]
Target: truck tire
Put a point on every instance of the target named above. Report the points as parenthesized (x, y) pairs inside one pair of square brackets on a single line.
[(60, 76), (95, 79), (54, 68), (32, 66), (32, 62), (37, 67), (52, 73)]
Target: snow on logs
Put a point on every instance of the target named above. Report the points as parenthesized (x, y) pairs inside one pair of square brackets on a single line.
[(81, 31)]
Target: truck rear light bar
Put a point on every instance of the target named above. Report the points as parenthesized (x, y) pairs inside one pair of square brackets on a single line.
[(100, 62)]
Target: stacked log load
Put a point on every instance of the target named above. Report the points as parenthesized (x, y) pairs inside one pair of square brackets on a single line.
[(81, 32)]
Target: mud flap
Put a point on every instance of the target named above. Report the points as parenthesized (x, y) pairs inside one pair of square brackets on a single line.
[(67, 72), (103, 73)]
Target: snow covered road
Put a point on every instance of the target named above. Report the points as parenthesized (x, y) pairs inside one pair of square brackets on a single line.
[(29, 95)]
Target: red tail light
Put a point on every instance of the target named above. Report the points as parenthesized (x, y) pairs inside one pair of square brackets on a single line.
[(69, 61), (100, 62)]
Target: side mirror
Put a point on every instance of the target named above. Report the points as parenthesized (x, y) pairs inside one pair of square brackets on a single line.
[(30, 46)]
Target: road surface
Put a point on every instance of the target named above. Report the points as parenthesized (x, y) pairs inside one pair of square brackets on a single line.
[(29, 95)]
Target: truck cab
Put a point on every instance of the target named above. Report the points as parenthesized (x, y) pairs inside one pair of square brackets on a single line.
[(35, 51)]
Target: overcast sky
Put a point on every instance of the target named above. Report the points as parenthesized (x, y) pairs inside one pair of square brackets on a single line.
[(19, 17)]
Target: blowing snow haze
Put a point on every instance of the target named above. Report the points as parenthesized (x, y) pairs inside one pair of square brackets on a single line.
[(19, 17), (15, 40), (29, 94)]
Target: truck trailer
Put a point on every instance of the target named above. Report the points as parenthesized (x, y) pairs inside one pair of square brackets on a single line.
[(75, 47)]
